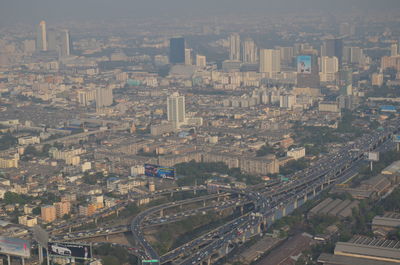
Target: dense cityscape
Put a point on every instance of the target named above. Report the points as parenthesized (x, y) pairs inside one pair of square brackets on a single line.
[(216, 139)]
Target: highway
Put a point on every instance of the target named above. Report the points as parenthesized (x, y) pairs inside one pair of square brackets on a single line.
[(322, 175)]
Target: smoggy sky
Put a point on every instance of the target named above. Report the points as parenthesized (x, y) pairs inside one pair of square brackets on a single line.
[(29, 11)]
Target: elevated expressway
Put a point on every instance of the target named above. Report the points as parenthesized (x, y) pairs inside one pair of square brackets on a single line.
[(271, 202)]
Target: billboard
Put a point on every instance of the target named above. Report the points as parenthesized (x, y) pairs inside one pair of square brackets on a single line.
[(159, 171), (80, 251), (304, 64), (396, 138), (373, 156), (15, 247)]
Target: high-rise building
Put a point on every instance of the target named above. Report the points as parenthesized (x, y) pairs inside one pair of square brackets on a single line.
[(41, 37), (234, 47), (308, 72), (65, 44), (249, 51), (287, 54), (394, 49), (104, 97), (329, 68), (270, 61), (176, 109), (52, 40), (177, 51), (333, 47), (48, 213), (346, 81), (201, 61), (188, 56)]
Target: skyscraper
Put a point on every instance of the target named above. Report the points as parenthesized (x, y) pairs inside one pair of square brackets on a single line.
[(52, 40), (308, 70), (177, 51), (234, 47), (188, 57), (270, 61), (65, 44), (249, 51), (176, 109), (41, 37), (333, 47)]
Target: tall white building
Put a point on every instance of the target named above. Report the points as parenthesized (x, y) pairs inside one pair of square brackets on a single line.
[(329, 68), (234, 47), (41, 37), (270, 61), (249, 52), (65, 44), (176, 109), (188, 56), (104, 97)]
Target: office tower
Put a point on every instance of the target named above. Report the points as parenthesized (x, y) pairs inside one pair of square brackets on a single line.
[(346, 81), (52, 40), (270, 61), (249, 51), (329, 64), (287, 54), (41, 37), (394, 49), (333, 47), (104, 97), (65, 44), (201, 61), (177, 51), (48, 213), (188, 56), (176, 109), (329, 68), (234, 47), (308, 71)]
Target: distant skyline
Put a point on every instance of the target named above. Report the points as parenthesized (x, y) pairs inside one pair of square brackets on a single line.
[(28, 11)]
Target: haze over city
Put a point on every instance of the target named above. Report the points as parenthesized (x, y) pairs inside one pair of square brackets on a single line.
[(257, 132)]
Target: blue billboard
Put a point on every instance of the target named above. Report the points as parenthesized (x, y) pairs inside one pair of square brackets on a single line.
[(304, 64), (396, 138), (159, 171)]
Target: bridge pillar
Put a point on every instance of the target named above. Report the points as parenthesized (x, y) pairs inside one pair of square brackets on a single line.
[(244, 237), (284, 211), (95, 221), (106, 237), (194, 191), (241, 210), (258, 229), (117, 212), (70, 229), (161, 213), (172, 194), (314, 192), (209, 260), (305, 197), (295, 204), (204, 203)]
